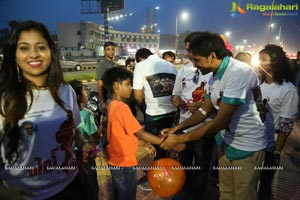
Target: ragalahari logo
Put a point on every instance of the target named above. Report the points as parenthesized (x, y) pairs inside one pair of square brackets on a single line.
[(236, 9)]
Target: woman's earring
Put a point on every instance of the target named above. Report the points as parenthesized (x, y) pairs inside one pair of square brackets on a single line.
[(18, 72)]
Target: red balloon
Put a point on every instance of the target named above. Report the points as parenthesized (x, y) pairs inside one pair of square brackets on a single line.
[(166, 177)]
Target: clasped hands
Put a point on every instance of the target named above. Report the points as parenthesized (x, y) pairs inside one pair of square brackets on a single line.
[(170, 140)]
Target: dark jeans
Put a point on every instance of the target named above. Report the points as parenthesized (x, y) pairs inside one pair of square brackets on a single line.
[(88, 177), (124, 183), (154, 124), (199, 154), (266, 178), (89, 180), (84, 186), (72, 191)]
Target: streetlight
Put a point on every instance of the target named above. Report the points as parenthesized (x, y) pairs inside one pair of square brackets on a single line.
[(116, 17), (183, 16), (271, 22), (227, 34), (270, 32)]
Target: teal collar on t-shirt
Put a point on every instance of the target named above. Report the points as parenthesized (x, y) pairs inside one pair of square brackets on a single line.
[(222, 67)]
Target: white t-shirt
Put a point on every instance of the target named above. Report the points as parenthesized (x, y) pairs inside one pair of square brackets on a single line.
[(46, 138), (233, 84), (283, 101), (190, 89), (156, 76)]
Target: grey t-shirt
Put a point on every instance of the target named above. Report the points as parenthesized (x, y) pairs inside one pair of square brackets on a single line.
[(102, 67)]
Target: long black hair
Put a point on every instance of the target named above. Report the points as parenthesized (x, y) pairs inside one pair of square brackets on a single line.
[(280, 65), (14, 87)]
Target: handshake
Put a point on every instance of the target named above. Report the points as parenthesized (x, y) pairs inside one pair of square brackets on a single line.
[(171, 140)]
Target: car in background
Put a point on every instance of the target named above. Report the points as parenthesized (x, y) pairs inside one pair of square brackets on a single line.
[(69, 64), (77, 64)]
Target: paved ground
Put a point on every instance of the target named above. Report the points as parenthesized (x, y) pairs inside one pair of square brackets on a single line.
[(286, 184)]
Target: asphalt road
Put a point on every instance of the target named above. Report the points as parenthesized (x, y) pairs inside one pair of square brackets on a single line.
[(93, 85)]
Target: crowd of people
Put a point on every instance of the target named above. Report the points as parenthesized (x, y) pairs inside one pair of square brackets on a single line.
[(49, 139)]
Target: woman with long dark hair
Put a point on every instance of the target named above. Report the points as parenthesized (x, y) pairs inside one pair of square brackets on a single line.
[(38, 117), (281, 100)]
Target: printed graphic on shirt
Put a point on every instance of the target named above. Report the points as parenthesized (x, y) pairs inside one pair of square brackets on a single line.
[(161, 84), (28, 127), (64, 136), (220, 98), (264, 109), (198, 95), (183, 84), (261, 104)]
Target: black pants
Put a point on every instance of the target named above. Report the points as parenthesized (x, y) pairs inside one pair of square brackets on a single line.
[(266, 178), (198, 154), (155, 124), (83, 187)]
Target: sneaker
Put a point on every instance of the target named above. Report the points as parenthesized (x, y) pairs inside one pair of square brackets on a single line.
[(144, 186)]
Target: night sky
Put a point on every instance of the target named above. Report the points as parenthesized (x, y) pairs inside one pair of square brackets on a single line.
[(204, 15)]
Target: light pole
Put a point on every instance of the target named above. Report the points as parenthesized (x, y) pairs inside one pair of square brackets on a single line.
[(279, 36), (176, 36), (184, 16), (271, 22), (270, 32)]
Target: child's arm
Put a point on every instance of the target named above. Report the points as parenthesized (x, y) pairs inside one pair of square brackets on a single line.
[(149, 148), (148, 137), (153, 139)]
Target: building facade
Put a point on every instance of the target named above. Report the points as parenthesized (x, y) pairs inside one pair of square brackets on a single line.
[(87, 38)]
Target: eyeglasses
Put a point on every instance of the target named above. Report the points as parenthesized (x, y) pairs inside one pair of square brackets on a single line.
[(196, 77)]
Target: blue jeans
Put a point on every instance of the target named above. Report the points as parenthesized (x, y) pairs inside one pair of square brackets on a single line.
[(124, 183), (156, 123)]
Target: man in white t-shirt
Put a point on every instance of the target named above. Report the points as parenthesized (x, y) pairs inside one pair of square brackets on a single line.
[(188, 94), (241, 136), (153, 82)]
